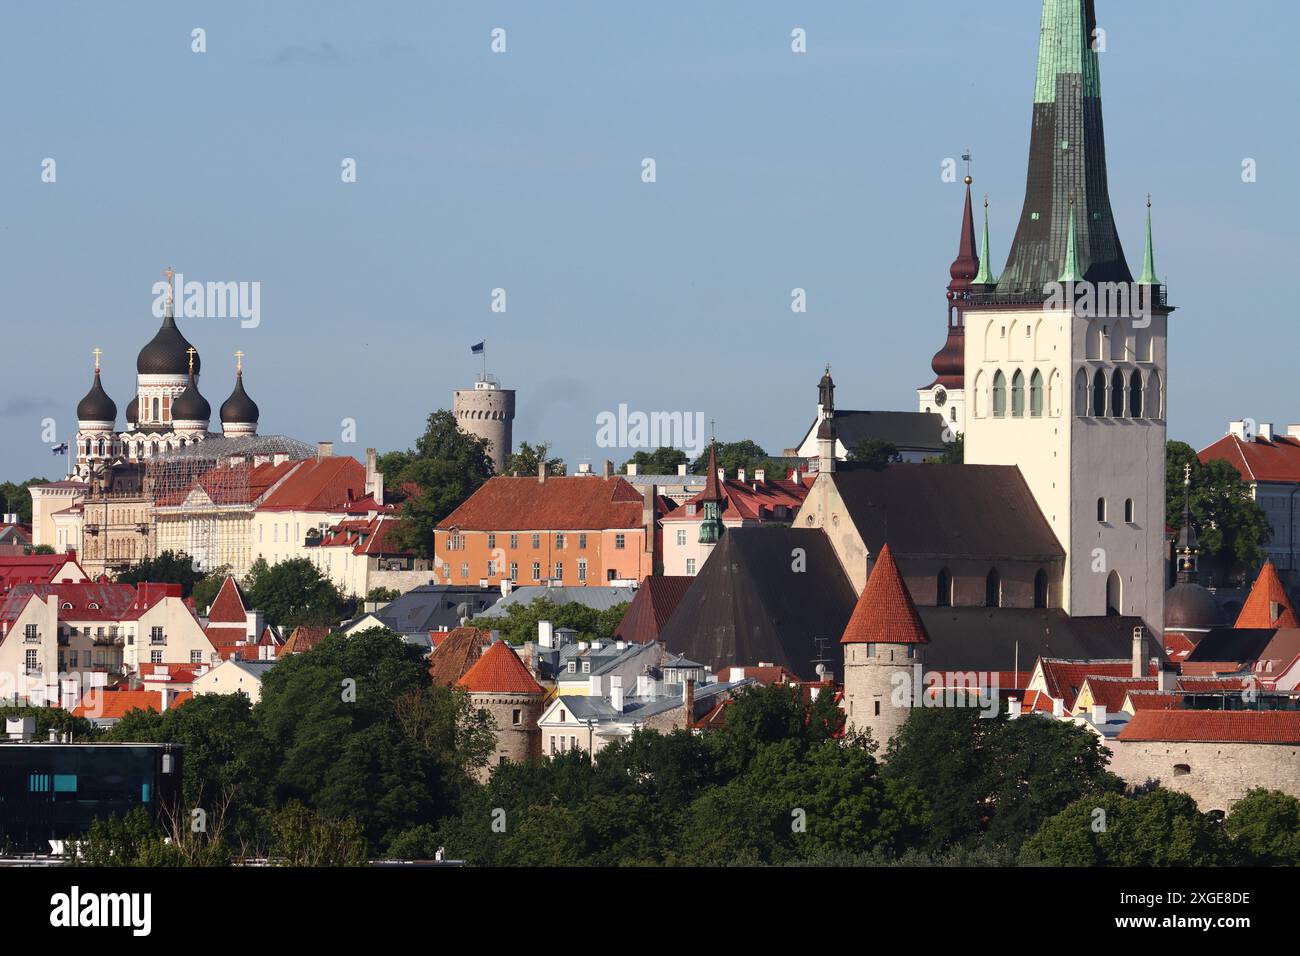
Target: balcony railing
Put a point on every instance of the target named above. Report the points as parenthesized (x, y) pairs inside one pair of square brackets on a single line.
[(31, 638)]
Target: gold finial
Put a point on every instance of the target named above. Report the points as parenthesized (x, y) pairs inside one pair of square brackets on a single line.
[(97, 353), (969, 180), (191, 352), (239, 362), (169, 274), (1187, 473)]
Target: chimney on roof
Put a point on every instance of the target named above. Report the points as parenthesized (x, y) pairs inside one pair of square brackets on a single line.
[(616, 692), (541, 472), (1293, 431), (1166, 681), (1139, 651), (1058, 707), (607, 470), (760, 475), (374, 477), (1098, 714), (545, 634), (688, 701), (1237, 429), (631, 469), (324, 449), (1013, 708), (648, 517), (1266, 431), (681, 469)]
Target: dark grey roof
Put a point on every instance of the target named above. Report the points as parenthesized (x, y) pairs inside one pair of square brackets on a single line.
[(976, 511), (909, 431), (257, 668), (980, 638), (1239, 645), (749, 604), (433, 607), (598, 597)]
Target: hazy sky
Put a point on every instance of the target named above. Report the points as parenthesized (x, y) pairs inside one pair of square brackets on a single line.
[(522, 171)]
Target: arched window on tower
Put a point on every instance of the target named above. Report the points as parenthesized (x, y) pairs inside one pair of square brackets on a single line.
[(1114, 594), (1099, 394), (155, 417), (1135, 394), (1081, 393), (1093, 344), (1117, 394), (1018, 394), (993, 589), (1101, 509), (943, 594), (1040, 589), (999, 395), (1155, 403), (1036, 394)]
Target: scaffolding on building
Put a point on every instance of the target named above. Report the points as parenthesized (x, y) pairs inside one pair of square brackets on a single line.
[(204, 495)]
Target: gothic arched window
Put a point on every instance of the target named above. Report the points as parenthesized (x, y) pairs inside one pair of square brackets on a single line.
[(999, 395), (1036, 394), (1155, 403), (1018, 394), (1099, 394), (943, 596), (1117, 394), (1081, 393), (1135, 394), (1114, 594), (155, 411), (993, 589), (1040, 589)]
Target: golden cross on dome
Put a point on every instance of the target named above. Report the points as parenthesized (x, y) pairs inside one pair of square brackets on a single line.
[(1187, 473), (239, 362), (97, 353), (191, 352)]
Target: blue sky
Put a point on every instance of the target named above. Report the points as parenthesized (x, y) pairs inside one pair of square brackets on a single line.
[(522, 171)]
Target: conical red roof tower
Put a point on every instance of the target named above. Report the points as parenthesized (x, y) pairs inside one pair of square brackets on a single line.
[(885, 613), (1268, 604)]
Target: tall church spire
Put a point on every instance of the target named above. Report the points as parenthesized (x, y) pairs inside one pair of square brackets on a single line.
[(1070, 271), (1067, 158), (965, 267)]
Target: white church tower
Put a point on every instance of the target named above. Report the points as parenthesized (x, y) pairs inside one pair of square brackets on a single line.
[(1065, 358)]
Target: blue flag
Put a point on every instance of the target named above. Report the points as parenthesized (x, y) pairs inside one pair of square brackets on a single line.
[(477, 349)]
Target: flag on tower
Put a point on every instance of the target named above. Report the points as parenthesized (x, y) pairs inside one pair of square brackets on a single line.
[(477, 349)]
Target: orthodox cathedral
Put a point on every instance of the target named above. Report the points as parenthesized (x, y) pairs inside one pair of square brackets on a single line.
[(167, 411)]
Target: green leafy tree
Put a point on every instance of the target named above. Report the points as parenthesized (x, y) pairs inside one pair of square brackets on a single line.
[(520, 623), (1230, 525), (169, 567), (954, 452), (1265, 827), (16, 499), (301, 837), (136, 839), (528, 458), (447, 465), (875, 452), (661, 461), (294, 592), (732, 456), (53, 718), (1158, 828), (383, 595)]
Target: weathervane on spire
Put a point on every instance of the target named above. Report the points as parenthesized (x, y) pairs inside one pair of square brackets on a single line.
[(967, 160)]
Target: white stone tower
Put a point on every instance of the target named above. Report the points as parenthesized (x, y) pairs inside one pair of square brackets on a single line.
[(488, 411)]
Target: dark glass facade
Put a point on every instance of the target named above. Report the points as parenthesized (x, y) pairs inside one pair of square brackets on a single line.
[(52, 791)]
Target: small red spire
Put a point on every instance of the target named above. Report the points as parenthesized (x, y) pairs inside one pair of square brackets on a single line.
[(712, 491), (967, 264)]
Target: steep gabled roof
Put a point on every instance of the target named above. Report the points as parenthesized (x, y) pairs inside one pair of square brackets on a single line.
[(1276, 459), (885, 613), (561, 504), (320, 484), (456, 653), (1268, 604), (499, 671), (230, 607), (655, 601)]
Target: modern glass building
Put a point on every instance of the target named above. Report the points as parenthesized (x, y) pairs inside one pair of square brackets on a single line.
[(52, 791)]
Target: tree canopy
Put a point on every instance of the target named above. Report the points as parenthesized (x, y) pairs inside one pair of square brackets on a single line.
[(1231, 527), (875, 452), (169, 567), (520, 622), (661, 461), (527, 458), (294, 592), (16, 499)]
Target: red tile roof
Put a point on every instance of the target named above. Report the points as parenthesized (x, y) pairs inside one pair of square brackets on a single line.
[(1111, 691), (320, 484), (114, 704), (1258, 460), (1178, 646), (564, 504), (746, 500), (89, 600), (885, 613), (1267, 605), (499, 671), (1153, 700), (38, 569), (1214, 726), (651, 606), (229, 608), (458, 651), (1064, 679), (242, 483), (304, 638)]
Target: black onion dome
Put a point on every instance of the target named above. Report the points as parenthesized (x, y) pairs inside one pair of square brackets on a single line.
[(1190, 606), (133, 410), (97, 406), (239, 409), (167, 353), (190, 406)]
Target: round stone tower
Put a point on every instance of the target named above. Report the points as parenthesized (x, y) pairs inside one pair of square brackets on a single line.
[(884, 655), (488, 411), (502, 686)]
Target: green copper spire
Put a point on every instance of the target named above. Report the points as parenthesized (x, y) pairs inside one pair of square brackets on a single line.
[(986, 276), (1149, 257), (1065, 49), (1071, 272)]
